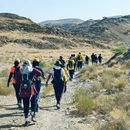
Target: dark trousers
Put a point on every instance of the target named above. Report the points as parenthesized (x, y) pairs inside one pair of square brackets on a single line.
[(71, 73), (79, 65), (59, 89), (38, 88), (17, 89), (26, 103)]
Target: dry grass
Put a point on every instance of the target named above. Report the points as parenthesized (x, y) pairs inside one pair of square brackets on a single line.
[(109, 93), (4, 90), (84, 103), (115, 125), (47, 90)]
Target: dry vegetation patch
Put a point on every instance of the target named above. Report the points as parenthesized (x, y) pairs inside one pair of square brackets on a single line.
[(108, 95)]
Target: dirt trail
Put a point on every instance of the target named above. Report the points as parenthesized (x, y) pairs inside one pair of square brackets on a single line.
[(48, 118)]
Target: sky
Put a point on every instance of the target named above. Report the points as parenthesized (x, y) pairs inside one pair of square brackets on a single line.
[(41, 10)]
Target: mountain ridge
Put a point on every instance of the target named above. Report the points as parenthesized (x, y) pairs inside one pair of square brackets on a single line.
[(62, 21)]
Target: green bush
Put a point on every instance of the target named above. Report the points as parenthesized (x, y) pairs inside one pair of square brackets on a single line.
[(104, 104), (85, 104), (120, 49)]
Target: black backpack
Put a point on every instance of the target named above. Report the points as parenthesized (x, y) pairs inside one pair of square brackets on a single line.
[(57, 79), (70, 64), (26, 81)]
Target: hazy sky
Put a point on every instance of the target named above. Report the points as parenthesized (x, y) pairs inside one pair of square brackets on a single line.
[(40, 10)]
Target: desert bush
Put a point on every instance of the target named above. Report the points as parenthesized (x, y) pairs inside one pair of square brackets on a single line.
[(113, 80), (120, 83), (96, 86), (120, 49), (89, 72), (126, 65), (115, 125), (85, 104), (104, 104), (4, 90)]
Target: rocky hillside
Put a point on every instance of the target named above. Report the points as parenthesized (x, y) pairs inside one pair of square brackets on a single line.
[(62, 21), (21, 30), (108, 29), (12, 22)]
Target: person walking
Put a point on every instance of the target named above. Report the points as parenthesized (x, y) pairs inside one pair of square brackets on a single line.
[(70, 67), (36, 64), (100, 58), (58, 80), (79, 61), (28, 90), (66, 76), (87, 59), (15, 76), (61, 59)]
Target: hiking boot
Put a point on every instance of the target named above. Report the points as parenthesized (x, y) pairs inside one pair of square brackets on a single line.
[(20, 105), (26, 123), (58, 106), (33, 117)]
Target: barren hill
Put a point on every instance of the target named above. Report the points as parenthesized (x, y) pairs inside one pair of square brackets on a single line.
[(108, 29), (21, 30)]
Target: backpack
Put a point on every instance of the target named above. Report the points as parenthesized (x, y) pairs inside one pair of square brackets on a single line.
[(26, 82), (26, 85), (17, 75), (57, 79), (70, 64), (79, 58)]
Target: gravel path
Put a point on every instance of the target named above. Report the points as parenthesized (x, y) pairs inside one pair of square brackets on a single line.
[(48, 118)]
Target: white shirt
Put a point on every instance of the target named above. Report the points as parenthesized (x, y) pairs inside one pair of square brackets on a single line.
[(57, 68)]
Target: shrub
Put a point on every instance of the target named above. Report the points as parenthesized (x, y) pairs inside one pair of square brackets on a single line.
[(85, 104), (89, 72), (104, 104), (115, 125), (120, 49), (4, 90), (120, 83)]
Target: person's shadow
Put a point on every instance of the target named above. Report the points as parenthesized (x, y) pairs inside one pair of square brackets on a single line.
[(9, 126), (48, 108), (11, 114)]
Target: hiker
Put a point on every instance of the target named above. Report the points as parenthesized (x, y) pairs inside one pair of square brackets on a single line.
[(62, 61), (100, 58), (28, 90), (87, 59), (36, 65), (15, 76), (74, 58), (93, 58), (70, 67), (58, 81), (79, 61), (66, 76)]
